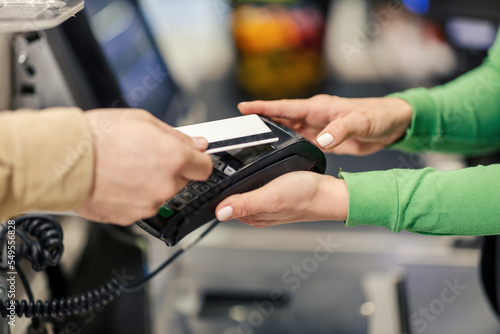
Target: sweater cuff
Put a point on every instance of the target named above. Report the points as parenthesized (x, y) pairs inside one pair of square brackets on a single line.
[(52, 160), (423, 124), (373, 199)]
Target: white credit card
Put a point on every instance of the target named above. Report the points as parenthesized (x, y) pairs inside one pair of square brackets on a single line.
[(232, 133)]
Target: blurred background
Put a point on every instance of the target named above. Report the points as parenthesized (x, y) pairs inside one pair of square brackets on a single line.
[(375, 281), (312, 277)]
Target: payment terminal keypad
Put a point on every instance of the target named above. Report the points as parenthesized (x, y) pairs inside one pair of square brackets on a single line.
[(194, 189)]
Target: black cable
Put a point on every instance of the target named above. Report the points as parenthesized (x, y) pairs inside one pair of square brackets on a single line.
[(42, 237), (179, 252), (45, 249), (35, 323), (26, 285)]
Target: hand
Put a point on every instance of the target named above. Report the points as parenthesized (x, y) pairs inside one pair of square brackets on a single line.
[(140, 162), (293, 197), (340, 125)]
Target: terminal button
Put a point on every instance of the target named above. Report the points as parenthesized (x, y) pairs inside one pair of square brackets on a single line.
[(176, 204), (200, 188), (229, 170), (219, 165), (214, 179), (189, 196), (165, 212)]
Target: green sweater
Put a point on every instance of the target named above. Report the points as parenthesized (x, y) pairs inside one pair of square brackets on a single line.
[(462, 116)]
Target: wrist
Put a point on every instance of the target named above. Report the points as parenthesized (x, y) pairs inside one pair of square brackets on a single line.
[(93, 138), (334, 198), (403, 110), (402, 113)]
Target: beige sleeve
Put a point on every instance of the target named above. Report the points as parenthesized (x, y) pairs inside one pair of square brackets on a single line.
[(46, 160)]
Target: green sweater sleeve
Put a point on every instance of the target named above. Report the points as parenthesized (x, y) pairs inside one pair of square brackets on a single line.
[(461, 202), (462, 116)]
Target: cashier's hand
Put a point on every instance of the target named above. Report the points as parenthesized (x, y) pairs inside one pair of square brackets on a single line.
[(293, 197), (340, 125), (140, 162)]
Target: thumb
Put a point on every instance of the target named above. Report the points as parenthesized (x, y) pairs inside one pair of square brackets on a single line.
[(341, 129), (241, 205), (200, 143)]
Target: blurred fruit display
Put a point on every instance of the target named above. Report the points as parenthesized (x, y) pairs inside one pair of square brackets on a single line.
[(279, 45)]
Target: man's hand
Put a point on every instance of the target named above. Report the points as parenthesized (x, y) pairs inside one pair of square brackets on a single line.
[(340, 125), (293, 197), (140, 163)]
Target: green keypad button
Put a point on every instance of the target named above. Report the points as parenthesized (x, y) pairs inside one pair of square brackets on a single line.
[(165, 212)]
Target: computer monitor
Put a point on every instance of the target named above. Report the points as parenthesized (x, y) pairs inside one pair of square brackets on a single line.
[(117, 55)]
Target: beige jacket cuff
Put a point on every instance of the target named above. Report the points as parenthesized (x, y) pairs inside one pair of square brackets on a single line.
[(46, 160)]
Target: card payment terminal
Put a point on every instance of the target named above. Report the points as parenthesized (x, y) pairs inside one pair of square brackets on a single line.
[(235, 171)]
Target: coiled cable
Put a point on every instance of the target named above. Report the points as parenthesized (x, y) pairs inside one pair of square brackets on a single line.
[(42, 246), (45, 247)]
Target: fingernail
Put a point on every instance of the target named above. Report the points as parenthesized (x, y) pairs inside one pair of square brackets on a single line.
[(225, 213), (242, 104), (325, 139), (200, 143)]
